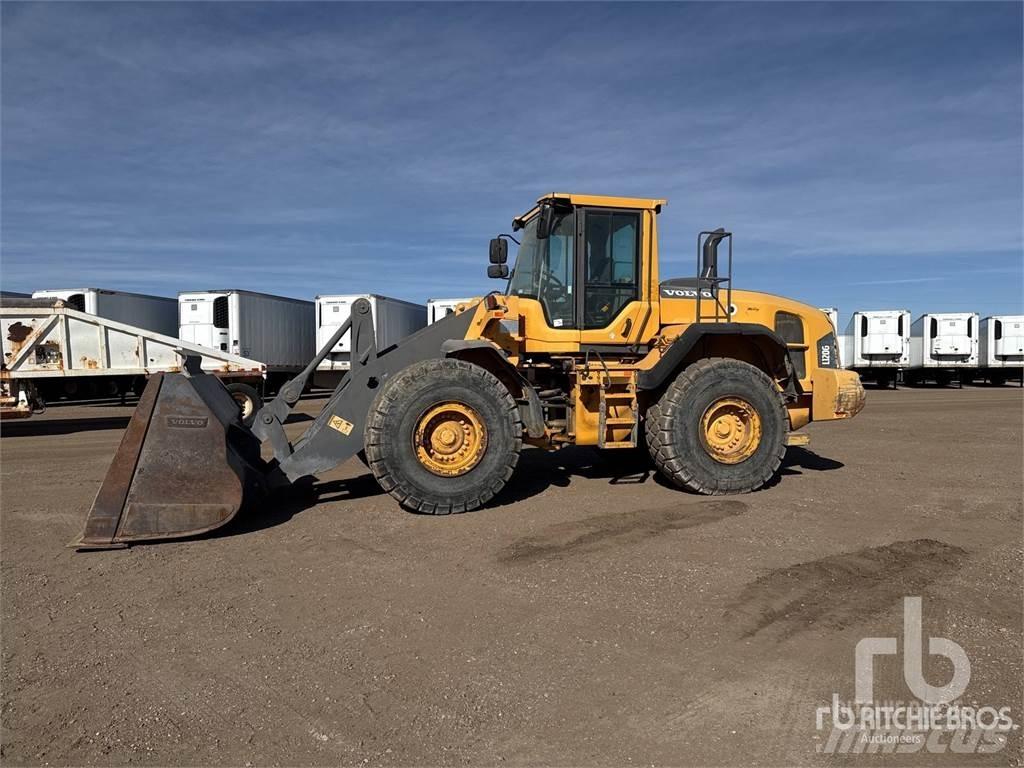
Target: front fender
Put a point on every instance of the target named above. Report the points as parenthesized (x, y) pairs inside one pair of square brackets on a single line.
[(490, 356)]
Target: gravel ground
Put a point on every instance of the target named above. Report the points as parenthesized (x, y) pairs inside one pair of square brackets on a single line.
[(591, 616)]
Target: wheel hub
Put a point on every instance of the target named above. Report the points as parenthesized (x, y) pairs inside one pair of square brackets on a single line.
[(245, 404), (730, 430), (450, 439)]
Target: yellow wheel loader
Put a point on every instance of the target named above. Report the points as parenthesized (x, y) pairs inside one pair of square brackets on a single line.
[(586, 346)]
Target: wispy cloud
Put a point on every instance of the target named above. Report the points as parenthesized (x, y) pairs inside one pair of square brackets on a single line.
[(346, 147), (905, 280)]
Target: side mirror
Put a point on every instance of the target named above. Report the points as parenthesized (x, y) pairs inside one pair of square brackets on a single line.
[(499, 251), (544, 220), (498, 271)]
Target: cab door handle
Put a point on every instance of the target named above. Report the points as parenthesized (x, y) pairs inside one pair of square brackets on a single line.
[(627, 326)]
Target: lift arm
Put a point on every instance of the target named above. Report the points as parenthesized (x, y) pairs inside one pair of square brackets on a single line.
[(337, 432), (269, 422)]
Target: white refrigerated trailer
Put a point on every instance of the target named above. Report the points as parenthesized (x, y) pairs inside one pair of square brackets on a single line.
[(876, 344), (438, 309), (276, 330), (51, 351), (393, 320), (154, 313), (1001, 349), (943, 347)]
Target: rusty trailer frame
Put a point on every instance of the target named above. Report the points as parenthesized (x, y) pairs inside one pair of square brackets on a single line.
[(44, 339)]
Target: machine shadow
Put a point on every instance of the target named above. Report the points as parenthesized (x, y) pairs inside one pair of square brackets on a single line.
[(31, 427), (281, 506), (798, 458), (537, 471)]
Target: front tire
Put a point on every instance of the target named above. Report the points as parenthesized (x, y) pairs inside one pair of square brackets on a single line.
[(443, 436), (719, 428)]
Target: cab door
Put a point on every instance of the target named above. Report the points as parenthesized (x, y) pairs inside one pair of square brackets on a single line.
[(610, 304), (544, 280)]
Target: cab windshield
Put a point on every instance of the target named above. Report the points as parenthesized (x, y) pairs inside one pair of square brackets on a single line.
[(544, 269)]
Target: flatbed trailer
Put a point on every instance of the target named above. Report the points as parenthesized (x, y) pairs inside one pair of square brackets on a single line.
[(48, 347)]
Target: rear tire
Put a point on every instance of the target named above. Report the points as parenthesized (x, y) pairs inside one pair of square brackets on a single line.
[(248, 399), (681, 428), (404, 461)]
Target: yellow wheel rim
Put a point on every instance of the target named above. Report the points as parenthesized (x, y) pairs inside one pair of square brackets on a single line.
[(730, 430), (450, 439)]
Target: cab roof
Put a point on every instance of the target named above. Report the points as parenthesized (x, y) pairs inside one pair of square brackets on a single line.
[(598, 201), (606, 201)]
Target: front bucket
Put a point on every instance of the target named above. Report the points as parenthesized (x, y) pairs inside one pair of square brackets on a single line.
[(184, 466)]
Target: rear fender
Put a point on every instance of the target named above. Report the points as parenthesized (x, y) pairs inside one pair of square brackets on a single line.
[(765, 347)]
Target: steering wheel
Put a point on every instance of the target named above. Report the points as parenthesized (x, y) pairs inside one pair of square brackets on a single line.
[(557, 284)]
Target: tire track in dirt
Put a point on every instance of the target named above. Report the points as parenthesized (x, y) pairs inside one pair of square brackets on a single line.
[(840, 590), (747, 678), (614, 529)]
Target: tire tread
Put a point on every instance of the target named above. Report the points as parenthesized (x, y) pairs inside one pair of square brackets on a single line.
[(660, 428), (472, 376)]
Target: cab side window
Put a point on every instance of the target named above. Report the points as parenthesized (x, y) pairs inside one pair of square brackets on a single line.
[(611, 265)]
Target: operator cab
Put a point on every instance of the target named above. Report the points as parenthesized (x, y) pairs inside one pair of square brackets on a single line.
[(584, 260)]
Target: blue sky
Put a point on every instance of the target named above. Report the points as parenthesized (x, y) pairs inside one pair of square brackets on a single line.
[(866, 155)]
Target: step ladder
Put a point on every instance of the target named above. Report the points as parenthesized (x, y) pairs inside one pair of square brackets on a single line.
[(618, 391)]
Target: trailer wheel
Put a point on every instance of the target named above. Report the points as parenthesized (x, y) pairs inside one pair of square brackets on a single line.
[(443, 436), (248, 399), (719, 428)]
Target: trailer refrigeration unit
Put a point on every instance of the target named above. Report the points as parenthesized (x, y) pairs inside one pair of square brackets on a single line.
[(276, 330), (153, 313), (943, 348), (438, 309), (876, 344), (393, 320), (1001, 349)]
